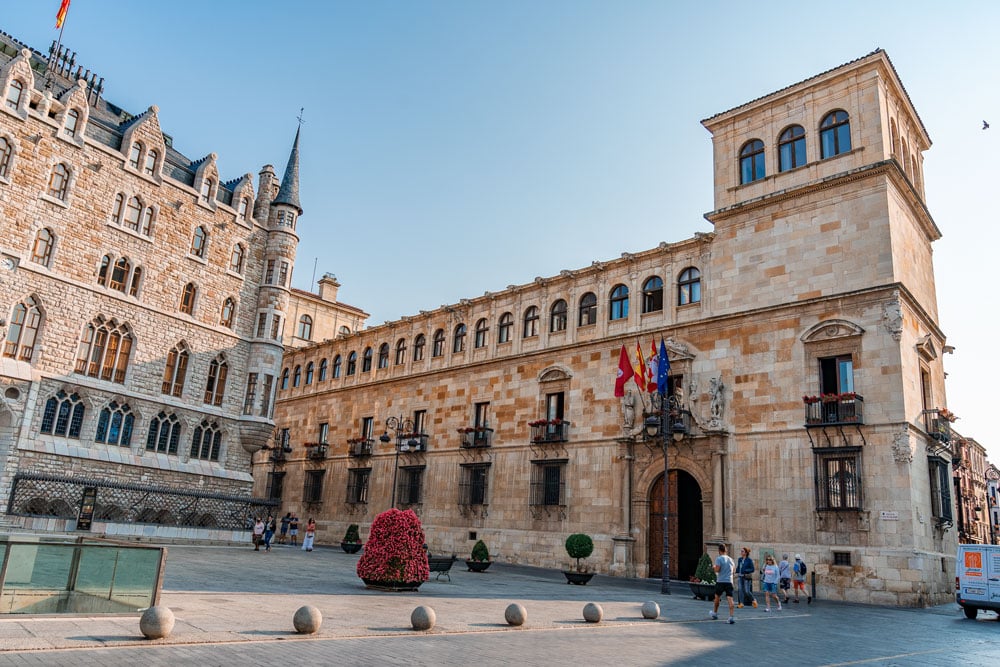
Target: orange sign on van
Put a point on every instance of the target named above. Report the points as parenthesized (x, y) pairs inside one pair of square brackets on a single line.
[(973, 560)]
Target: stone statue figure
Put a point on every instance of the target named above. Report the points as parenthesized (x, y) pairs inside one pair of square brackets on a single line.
[(715, 389), (628, 410)]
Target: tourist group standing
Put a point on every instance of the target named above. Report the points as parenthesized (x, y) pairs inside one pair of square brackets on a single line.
[(776, 579)]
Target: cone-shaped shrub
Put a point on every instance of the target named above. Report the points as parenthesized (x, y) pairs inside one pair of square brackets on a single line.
[(705, 572), (395, 549), (480, 552), (352, 535)]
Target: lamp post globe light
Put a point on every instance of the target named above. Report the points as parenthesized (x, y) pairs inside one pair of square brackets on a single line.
[(399, 426)]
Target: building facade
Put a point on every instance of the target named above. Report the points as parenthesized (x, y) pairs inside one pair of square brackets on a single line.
[(142, 302), (319, 316), (806, 385)]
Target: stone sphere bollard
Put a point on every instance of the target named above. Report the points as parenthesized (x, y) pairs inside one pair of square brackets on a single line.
[(650, 609), (307, 620), (515, 614), (423, 618), (592, 613), (156, 622)]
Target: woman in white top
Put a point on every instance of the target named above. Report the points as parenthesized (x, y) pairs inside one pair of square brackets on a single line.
[(771, 576)]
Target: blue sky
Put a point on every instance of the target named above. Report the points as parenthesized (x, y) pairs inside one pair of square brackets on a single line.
[(456, 147)]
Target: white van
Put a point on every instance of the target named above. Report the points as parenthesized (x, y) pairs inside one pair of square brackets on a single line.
[(977, 578)]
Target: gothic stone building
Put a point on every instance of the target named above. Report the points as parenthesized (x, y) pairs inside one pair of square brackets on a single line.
[(142, 302), (805, 364)]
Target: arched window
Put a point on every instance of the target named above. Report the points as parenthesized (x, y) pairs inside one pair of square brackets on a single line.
[(104, 350), (689, 286), (119, 274), (147, 221), (206, 190), (175, 371), (284, 379), (207, 441), (337, 362), (418, 347), (482, 328), (400, 351), (133, 211), (459, 344), (228, 312), (215, 386), (619, 303), (344, 331), (14, 94), (41, 252), (188, 295), (59, 182), (102, 273), (588, 309), (531, 322), (558, 316), (323, 365), (133, 289), (309, 373), (297, 376), (792, 148), (23, 330), (72, 121), (752, 161), (236, 259), (150, 166), (116, 212), (244, 208), (652, 295), (835, 134), (6, 153), (114, 424), (366, 360), (198, 242), (383, 355), (134, 154), (63, 415), (352, 363), (164, 434), (305, 327), (505, 328), (437, 347)]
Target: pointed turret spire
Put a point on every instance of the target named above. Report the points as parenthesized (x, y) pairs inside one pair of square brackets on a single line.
[(289, 191)]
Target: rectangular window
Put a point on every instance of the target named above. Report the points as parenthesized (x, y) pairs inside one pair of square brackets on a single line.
[(276, 327), (275, 485), (419, 421), (367, 427), (269, 272), (482, 415), (548, 483), (357, 485), (408, 490), (312, 489), (324, 433), (473, 485), (838, 478), (940, 490), (251, 394), (554, 405), (265, 397), (836, 375), (261, 324), (842, 558), (283, 275)]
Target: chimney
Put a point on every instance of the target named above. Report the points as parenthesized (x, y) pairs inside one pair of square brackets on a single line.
[(328, 286)]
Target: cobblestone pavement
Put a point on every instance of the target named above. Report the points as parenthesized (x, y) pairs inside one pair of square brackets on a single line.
[(234, 607)]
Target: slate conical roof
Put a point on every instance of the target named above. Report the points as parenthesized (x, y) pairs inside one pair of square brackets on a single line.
[(289, 191)]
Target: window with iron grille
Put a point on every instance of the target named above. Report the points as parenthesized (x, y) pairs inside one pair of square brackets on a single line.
[(357, 485), (838, 478), (312, 489), (408, 488), (275, 485), (940, 490), (474, 484), (548, 482), (842, 558)]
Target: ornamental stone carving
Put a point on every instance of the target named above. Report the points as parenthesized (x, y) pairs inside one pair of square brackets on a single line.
[(892, 319), (902, 452)]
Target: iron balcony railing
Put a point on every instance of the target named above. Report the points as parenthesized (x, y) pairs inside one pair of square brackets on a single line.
[(316, 450), (549, 430), (413, 442), (834, 409), (937, 426), (360, 447), (476, 436)]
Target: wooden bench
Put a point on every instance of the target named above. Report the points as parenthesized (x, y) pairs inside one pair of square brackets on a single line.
[(441, 565)]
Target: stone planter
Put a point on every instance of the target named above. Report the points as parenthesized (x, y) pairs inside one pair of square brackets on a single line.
[(392, 586), (578, 578), (477, 565), (702, 591), (351, 547)]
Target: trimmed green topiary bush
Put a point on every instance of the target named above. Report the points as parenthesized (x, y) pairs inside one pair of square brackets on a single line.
[(705, 572), (352, 536), (480, 552), (579, 546)]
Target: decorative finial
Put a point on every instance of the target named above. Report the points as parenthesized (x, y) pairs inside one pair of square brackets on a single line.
[(299, 117)]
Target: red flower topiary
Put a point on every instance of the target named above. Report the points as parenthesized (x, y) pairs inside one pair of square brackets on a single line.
[(395, 549)]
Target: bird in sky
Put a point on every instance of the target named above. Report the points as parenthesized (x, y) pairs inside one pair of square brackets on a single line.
[(986, 125)]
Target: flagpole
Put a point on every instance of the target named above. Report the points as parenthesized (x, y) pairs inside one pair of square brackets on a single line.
[(55, 52)]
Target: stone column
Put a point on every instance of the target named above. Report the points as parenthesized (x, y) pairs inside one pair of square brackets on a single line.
[(718, 497)]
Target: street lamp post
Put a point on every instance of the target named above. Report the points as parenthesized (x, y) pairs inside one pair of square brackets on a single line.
[(399, 426)]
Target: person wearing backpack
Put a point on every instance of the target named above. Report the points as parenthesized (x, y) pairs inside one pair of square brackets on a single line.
[(799, 579)]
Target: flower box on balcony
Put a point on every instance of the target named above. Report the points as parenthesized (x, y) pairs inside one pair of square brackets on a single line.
[(413, 442), (549, 430), (476, 436), (316, 450), (360, 446), (832, 409)]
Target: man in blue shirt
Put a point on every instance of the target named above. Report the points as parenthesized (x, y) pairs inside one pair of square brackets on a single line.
[(724, 568)]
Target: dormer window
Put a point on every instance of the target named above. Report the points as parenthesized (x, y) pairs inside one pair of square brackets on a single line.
[(206, 190), (134, 155), (244, 207), (150, 167), (72, 121), (14, 94)]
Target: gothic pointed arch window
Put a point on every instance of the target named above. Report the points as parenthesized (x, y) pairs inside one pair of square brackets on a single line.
[(437, 346), (14, 92), (119, 274), (244, 208), (383, 355), (215, 386), (22, 332), (558, 316), (72, 123), (175, 370), (337, 364), (114, 424), (133, 212), (419, 343), (119, 208), (148, 217), (206, 190), (150, 167), (236, 259), (652, 295), (689, 286), (366, 360), (310, 370), (400, 351), (59, 182), (459, 343), (588, 309), (104, 350), (164, 434), (63, 415), (352, 363), (482, 329), (505, 328), (6, 156), (41, 251), (305, 327), (835, 134), (199, 240), (619, 303), (133, 289), (531, 322), (228, 312), (134, 154), (188, 295), (206, 442)]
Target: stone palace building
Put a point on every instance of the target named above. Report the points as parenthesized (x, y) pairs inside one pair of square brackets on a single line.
[(807, 393), (144, 306)]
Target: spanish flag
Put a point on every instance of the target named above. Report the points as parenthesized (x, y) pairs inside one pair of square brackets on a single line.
[(61, 14), (640, 368)]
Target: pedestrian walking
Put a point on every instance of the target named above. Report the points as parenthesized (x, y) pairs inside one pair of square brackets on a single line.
[(307, 542), (724, 570), (283, 537), (771, 576), (258, 532), (799, 579), (268, 532), (784, 577), (293, 529), (745, 570)]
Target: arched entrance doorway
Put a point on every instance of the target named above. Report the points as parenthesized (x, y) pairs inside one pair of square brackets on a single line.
[(686, 540)]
